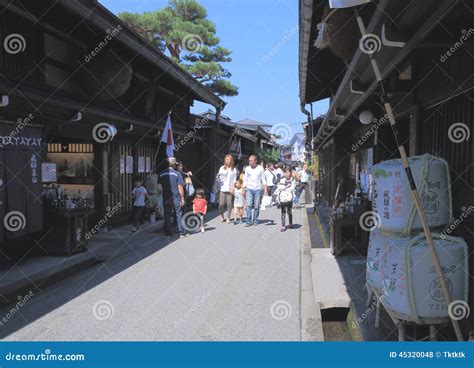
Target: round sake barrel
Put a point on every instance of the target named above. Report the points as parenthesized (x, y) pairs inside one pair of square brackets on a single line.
[(377, 242), (411, 287), (393, 199)]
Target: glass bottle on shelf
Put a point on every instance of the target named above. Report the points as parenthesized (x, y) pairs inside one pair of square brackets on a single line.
[(80, 169), (66, 168), (88, 169)]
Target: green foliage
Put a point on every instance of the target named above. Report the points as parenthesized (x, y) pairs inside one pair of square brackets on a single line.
[(183, 31), (314, 165), (268, 155)]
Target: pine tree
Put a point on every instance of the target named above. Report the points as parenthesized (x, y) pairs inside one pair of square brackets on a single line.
[(183, 31)]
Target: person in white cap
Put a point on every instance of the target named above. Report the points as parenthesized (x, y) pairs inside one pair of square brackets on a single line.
[(173, 196)]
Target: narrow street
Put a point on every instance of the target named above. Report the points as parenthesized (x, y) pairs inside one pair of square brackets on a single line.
[(229, 283)]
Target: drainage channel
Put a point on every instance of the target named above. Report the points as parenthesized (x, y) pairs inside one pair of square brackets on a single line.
[(335, 326)]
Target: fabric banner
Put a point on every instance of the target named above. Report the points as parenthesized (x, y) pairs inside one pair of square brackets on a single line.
[(167, 138), (346, 3)]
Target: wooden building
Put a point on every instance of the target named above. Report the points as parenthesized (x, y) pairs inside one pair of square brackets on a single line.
[(222, 136), (426, 57), (83, 103)]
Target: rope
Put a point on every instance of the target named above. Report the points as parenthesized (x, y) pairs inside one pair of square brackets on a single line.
[(424, 174)]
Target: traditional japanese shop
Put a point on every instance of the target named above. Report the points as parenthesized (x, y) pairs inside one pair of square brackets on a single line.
[(68, 194), (56, 180), (20, 185)]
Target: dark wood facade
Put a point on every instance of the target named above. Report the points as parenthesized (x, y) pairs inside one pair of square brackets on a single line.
[(79, 66), (431, 87)]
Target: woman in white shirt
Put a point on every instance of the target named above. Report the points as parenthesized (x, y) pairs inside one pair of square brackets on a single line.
[(225, 180)]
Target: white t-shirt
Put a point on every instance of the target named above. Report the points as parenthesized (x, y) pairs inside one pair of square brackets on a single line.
[(254, 178), (226, 179), (269, 175), (304, 177), (279, 172), (139, 196)]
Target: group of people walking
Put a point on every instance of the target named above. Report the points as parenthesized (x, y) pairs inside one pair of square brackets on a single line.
[(248, 189)]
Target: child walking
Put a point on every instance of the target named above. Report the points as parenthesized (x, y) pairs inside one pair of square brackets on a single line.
[(238, 202), (200, 206), (140, 195), (285, 194)]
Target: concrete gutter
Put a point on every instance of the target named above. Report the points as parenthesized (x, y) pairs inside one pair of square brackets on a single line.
[(311, 324)]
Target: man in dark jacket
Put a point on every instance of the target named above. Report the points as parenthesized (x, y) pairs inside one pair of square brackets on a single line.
[(173, 196)]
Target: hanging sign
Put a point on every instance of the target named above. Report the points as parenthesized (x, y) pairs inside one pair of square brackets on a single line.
[(148, 164), (122, 164), (48, 172), (141, 164), (7, 141), (34, 171), (129, 165)]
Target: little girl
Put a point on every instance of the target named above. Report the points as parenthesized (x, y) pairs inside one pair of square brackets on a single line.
[(200, 206), (238, 202), (285, 193)]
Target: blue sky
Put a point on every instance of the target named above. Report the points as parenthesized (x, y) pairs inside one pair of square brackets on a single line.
[(263, 37)]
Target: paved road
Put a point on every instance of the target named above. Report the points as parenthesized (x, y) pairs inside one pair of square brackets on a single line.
[(229, 283)]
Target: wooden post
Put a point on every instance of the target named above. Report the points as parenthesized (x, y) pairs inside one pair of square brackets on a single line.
[(411, 181)]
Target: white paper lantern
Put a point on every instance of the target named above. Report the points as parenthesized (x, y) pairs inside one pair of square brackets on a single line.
[(366, 117)]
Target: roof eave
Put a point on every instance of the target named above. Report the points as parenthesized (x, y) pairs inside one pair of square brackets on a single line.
[(133, 40)]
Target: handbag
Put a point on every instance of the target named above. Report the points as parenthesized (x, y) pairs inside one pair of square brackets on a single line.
[(189, 188), (266, 201)]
